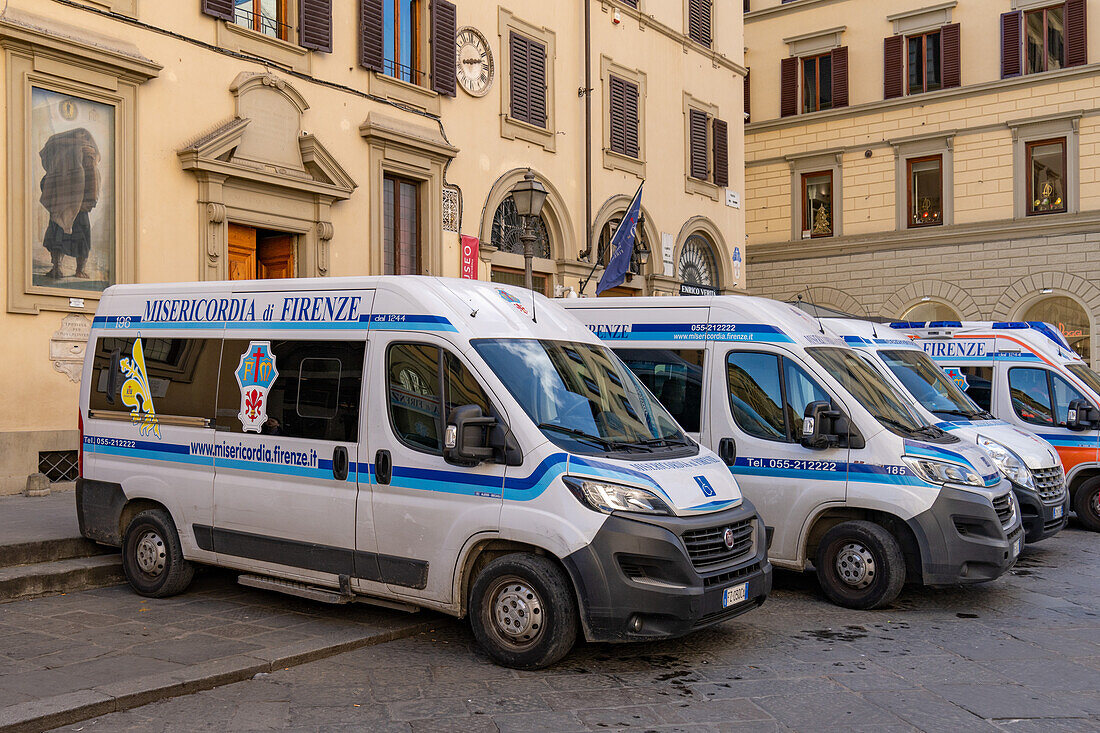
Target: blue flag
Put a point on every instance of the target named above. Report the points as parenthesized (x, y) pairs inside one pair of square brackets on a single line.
[(622, 247)]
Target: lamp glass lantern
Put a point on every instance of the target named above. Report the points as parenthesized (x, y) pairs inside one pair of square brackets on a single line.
[(529, 195)]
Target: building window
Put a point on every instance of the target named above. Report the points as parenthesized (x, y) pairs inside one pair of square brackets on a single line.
[(930, 310), (708, 147), (603, 246), (699, 21), (505, 232), (527, 80), (1045, 34), (400, 226), (1067, 316), (401, 23), (925, 194), (698, 267), (1046, 176), (817, 204), (817, 83), (263, 16), (623, 113), (924, 62)]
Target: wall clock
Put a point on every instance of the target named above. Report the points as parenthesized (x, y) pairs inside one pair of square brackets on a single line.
[(475, 61)]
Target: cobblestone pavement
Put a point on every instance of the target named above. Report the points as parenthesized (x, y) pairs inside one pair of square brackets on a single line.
[(1020, 654)]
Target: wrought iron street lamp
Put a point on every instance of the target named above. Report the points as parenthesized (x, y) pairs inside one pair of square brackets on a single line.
[(528, 195)]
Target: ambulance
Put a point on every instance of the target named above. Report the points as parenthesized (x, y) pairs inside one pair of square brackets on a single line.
[(847, 475), (411, 442), (1026, 374), (1029, 463)]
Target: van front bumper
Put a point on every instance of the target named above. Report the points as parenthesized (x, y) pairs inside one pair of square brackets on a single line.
[(962, 540), (1038, 518), (636, 579)]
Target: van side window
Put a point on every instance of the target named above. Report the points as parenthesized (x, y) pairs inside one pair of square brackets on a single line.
[(182, 376), (1030, 395), (979, 386), (756, 394), (675, 376), (801, 390), (1064, 393), (315, 395), (425, 384)]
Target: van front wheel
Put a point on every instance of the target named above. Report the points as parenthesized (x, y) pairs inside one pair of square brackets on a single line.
[(1086, 502), (860, 565), (523, 611), (152, 557)]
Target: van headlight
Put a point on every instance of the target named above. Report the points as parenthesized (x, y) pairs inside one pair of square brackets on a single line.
[(1008, 462), (607, 497), (942, 472)]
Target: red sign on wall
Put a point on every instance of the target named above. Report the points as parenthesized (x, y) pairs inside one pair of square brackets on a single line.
[(469, 257)]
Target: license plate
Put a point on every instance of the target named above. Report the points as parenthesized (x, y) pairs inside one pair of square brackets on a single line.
[(1016, 548), (1058, 512), (735, 595)]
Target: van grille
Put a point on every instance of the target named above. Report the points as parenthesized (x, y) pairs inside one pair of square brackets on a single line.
[(1003, 506), (1051, 484), (727, 577), (707, 547)]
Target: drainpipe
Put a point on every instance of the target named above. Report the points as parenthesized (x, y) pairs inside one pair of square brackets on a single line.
[(588, 127)]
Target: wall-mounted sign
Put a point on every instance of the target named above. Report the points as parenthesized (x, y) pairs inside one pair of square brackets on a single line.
[(668, 247), (733, 199), (688, 289)]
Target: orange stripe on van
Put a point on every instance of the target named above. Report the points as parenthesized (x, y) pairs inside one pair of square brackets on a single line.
[(1071, 456)]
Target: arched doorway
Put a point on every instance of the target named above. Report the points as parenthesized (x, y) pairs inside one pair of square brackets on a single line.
[(1069, 317), (698, 266), (930, 310)]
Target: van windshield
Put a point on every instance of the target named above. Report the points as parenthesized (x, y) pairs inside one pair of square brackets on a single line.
[(872, 391), (582, 397), (1086, 375), (930, 385)]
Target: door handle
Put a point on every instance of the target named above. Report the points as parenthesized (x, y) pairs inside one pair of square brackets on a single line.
[(340, 463), (383, 466), (727, 451)]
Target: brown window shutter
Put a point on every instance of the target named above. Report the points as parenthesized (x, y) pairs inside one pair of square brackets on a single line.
[(840, 77), (697, 133), (617, 109), (746, 6), (444, 58), (721, 153), (315, 25), (951, 53), (1012, 56), (699, 21), (788, 87), (748, 98), (371, 49), (632, 119), (537, 85), (893, 67), (631, 3), (1076, 33), (219, 9), (519, 78)]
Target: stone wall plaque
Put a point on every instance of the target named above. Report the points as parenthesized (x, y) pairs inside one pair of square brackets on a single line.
[(68, 344)]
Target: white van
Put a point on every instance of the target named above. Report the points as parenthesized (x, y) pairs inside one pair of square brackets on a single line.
[(1030, 463), (846, 475), (447, 444), (1026, 374)]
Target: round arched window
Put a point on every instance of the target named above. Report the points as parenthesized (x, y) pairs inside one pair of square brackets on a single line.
[(931, 310), (603, 246), (1067, 315), (505, 233), (698, 267)]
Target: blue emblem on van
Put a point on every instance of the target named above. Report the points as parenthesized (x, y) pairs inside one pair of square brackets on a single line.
[(704, 485), (957, 377)]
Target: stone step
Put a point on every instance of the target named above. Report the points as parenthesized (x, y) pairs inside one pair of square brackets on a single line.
[(60, 576), (49, 550)]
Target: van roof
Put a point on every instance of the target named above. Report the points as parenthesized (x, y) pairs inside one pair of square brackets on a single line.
[(865, 333), (475, 308), (1035, 334), (790, 321)]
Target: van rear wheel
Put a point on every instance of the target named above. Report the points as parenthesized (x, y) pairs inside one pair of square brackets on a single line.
[(860, 565), (523, 611), (152, 557), (1086, 502)]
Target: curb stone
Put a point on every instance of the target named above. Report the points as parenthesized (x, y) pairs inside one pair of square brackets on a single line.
[(73, 707)]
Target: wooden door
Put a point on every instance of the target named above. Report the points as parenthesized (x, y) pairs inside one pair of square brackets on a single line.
[(242, 252), (276, 256)]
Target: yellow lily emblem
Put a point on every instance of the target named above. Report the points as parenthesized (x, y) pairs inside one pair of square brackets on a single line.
[(136, 394)]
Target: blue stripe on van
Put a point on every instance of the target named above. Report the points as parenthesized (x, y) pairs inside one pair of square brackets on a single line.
[(377, 321), (826, 471), (1069, 441), (693, 332)]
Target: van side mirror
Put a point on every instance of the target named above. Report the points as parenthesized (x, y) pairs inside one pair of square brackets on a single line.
[(1082, 415), (819, 426), (466, 441)]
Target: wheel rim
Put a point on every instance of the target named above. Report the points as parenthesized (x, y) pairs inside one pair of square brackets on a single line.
[(515, 611), (1094, 504), (855, 565), (150, 553)]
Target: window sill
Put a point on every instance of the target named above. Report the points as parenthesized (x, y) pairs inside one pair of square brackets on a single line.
[(397, 90), (617, 161), (513, 129), (703, 188), (245, 40)]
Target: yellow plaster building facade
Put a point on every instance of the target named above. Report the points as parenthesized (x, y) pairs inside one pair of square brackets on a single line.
[(150, 141), (927, 161)]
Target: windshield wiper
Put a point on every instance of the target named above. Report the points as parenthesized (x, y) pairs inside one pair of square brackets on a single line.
[(580, 434), (929, 430), (960, 413)]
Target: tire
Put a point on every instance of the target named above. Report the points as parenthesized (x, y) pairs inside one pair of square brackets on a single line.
[(860, 565), (508, 598), (152, 557), (1086, 502)]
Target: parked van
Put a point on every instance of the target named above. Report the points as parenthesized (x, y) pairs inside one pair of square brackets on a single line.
[(845, 473), (1029, 463), (450, 444), (1026, 374)]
